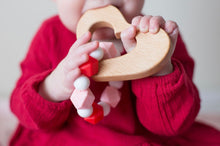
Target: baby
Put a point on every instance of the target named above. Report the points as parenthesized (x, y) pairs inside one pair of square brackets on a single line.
[(157, 110)]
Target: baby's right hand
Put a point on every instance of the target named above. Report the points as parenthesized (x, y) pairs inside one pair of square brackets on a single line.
[(58, 86)]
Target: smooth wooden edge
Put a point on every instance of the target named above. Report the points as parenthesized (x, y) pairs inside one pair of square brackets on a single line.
[(103, 17), (148, 57)]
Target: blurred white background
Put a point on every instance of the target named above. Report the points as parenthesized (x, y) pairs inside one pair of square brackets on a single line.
[(199, 22)]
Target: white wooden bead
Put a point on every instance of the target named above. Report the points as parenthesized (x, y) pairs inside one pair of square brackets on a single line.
[(116, 84), (106, 107), (81, 83), (84, 113), (97, 54)]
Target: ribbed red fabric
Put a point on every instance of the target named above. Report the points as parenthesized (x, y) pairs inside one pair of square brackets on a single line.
[(152, 111)]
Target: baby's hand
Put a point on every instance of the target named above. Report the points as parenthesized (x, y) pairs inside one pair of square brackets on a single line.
[(150, 24), (58, 86)]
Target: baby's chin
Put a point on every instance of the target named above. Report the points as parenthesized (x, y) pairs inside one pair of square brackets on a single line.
[(103, 34)]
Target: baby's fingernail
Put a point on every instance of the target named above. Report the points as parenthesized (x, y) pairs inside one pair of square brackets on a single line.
[(144, 28), (153, 30)]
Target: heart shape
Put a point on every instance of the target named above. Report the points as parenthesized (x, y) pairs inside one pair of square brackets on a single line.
[(148, 57)]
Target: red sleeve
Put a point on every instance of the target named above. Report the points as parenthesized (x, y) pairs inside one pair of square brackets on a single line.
[(32, 110), (167, 105)]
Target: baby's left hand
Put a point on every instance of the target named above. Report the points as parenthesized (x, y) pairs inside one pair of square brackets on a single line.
[(151, 24)]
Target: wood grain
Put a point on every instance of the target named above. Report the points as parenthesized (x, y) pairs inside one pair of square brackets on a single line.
[(150, 54)]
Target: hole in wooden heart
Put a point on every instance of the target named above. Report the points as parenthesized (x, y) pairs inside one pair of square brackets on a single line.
[(106, 34)]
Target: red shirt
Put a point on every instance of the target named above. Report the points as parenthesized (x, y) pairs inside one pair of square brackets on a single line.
[(153, 110)]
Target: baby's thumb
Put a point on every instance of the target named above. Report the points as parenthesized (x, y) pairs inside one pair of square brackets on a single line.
[(128, 38), (173, 38)]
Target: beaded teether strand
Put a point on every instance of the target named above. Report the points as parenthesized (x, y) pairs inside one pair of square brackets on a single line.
[(83, 98)]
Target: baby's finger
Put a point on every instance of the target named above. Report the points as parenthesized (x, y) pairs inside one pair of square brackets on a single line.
[(79, 55), (79, 42), (87, 48), (73, 62), (83, 49), (82, 40), (128, 38), (172, 29), (173, 37), (72, 75), (144, 23), (155, 23), (136, 21), (170, 26)]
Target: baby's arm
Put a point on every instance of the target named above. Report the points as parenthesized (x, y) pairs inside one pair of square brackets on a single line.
[(168, 102), (58, 86), (32, 110)]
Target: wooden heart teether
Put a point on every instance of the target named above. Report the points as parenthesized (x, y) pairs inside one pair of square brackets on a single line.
[(150, 54)]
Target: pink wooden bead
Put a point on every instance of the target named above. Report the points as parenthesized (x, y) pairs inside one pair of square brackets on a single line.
[(82, 99), (111, 96), (109, 50), (116, 84)]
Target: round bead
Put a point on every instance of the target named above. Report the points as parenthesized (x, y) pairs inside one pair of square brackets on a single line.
[(116, 84), (97, 54), (106, 107), (81, 83), (84, 113)]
